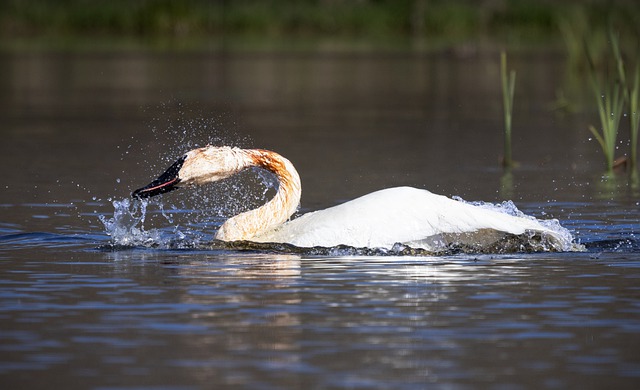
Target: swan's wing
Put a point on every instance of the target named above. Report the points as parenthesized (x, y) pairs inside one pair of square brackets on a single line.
[(404, 214)]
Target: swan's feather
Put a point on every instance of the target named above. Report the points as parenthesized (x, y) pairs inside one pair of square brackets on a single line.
[(405, 215)]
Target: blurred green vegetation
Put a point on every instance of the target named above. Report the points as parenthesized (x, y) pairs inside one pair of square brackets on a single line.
[(430, 21)]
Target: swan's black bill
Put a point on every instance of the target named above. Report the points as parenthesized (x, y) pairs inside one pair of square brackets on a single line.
[(166, 182)]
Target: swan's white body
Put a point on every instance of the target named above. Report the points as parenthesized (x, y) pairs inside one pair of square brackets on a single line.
[(405, 215)]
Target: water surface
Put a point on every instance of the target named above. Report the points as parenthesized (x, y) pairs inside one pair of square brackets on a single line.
[(82, 129)]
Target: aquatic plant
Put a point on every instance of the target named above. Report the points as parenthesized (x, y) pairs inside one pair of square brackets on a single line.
[(634, 118), (609, 99), (614, 93), (579, 34), (508, 88), (630, 93)]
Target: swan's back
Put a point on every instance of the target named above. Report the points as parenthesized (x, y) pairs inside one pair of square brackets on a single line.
[(410, 216)]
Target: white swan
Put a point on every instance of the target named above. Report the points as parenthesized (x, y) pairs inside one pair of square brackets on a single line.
[(410, 216)]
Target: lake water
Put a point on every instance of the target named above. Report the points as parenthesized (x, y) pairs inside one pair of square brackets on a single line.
[(82, 129)]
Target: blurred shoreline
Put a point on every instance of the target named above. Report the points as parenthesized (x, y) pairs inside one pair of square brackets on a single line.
[(305, 25)]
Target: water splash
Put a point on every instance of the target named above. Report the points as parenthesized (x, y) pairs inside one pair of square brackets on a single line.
[(565, 240), (178, 221), (186, 221), (126, 227)]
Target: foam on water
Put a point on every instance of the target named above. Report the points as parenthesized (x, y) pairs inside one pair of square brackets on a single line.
[(565, 238)]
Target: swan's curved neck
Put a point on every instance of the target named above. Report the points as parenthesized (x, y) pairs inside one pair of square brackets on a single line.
[(252, 223)]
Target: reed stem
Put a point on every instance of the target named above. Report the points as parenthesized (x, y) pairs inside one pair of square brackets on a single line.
[(508, 89), (630, 93), (610, 100), (634, 118)]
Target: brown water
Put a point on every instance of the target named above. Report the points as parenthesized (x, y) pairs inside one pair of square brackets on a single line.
[(82, 129)]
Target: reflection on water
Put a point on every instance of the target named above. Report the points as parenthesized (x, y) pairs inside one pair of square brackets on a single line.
[(195, 319), (80, 130)]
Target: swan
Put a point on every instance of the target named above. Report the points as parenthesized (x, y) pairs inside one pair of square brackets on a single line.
[(410, 216)]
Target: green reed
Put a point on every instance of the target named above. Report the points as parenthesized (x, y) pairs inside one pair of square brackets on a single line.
[(630, 93), (634, 119), (609, 97), (610, 101), (508, 88)]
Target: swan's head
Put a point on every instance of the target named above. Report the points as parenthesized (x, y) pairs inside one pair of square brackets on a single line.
[(196, 167)]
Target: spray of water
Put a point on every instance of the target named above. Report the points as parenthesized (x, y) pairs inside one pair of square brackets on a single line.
[(178, 220), (126, 227), (189, 217), (508, 207)]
